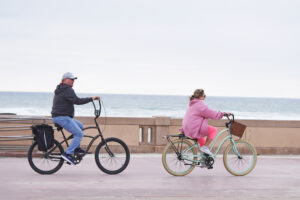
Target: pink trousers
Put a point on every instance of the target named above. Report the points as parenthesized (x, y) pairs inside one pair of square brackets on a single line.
[(212, 132)]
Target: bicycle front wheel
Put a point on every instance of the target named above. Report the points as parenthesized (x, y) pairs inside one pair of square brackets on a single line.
[(242, 164), (47, 162), (112, 156), (179, 157)]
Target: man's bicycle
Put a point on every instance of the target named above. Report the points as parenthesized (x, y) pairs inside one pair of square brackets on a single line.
[(181, 156), (112, 154)]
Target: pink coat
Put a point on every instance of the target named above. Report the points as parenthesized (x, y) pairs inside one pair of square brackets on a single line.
[(195, 122)]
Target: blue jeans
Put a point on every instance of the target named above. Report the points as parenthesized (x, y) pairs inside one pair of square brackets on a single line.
[(74, 127)]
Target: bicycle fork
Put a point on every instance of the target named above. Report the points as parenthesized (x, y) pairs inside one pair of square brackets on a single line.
[(235, 149), (108, 150)]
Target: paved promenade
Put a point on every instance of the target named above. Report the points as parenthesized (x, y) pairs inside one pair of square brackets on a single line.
[(145, 178)]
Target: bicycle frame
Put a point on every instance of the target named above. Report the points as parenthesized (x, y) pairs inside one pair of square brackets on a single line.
[(88, 136), (97, 114), (229, 137)]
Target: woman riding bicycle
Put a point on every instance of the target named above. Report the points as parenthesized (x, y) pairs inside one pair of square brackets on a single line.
[(195, 122)]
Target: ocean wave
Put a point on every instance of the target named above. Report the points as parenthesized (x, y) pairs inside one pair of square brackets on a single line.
[(149, 113), (154, 105)]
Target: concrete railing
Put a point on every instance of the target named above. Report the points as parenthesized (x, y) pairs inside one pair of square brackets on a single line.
[(144, 135)]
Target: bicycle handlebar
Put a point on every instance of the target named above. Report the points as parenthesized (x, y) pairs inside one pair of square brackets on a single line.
[(97, 111), (230, 119)]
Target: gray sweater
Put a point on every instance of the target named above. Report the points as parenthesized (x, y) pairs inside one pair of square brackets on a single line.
[(64, 100)]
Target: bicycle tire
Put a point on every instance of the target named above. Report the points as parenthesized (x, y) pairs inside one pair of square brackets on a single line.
[(167, 162), (117, 151), (33, 152), (249, 157)]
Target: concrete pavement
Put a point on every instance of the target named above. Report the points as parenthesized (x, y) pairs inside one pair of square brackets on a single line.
[(275, 177)]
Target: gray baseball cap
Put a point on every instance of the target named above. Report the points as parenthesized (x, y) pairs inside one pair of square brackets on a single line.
[(68, 75)]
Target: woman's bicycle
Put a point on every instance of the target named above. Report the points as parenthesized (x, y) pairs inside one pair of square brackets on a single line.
[(180, 156), (112, 154)]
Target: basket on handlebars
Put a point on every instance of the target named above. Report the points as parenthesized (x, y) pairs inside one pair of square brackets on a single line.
[(237, 129)]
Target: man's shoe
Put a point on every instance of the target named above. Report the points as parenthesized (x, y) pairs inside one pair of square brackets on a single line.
[(206, 150), (68, 158), (79, 150)]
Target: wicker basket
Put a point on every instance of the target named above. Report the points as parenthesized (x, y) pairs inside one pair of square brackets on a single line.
[(237, 129)]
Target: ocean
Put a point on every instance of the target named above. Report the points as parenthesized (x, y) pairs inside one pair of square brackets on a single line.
[(122, 105)]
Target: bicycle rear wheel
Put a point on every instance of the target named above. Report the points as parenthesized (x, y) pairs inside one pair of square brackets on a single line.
[(45, 162), (112, 156), (179, 157), (243, 164)]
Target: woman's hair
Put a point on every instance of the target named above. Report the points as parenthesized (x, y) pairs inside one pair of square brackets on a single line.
[(197, 94)]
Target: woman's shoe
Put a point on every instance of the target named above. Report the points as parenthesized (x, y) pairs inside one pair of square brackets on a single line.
[(206, 150)]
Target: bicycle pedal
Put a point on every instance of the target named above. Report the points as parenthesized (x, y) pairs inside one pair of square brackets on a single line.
[(210, 167), (201, 165), (68, 163)]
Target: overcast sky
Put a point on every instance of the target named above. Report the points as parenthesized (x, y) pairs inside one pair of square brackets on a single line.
[(229, 48)]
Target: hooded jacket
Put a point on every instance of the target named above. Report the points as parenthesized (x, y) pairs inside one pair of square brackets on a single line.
[(195, 121), (64, 100)]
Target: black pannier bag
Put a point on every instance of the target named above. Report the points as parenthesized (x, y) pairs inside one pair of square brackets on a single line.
[(44, 136)]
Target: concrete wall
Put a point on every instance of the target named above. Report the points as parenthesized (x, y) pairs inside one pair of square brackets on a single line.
[(144, 135)]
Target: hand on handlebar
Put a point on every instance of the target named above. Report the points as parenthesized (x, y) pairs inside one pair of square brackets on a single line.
[(96, 98), (97, 111)]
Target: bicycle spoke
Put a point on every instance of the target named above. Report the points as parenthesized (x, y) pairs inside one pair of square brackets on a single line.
[(112, 157), (240, 164), (43, 162), (178, 165)]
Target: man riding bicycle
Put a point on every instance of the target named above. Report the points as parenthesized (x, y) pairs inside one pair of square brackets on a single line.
[(63, 113)]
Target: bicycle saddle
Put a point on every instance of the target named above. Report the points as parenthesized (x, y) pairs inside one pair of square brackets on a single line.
[(188, 137), (58, 127), (181, 135)]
